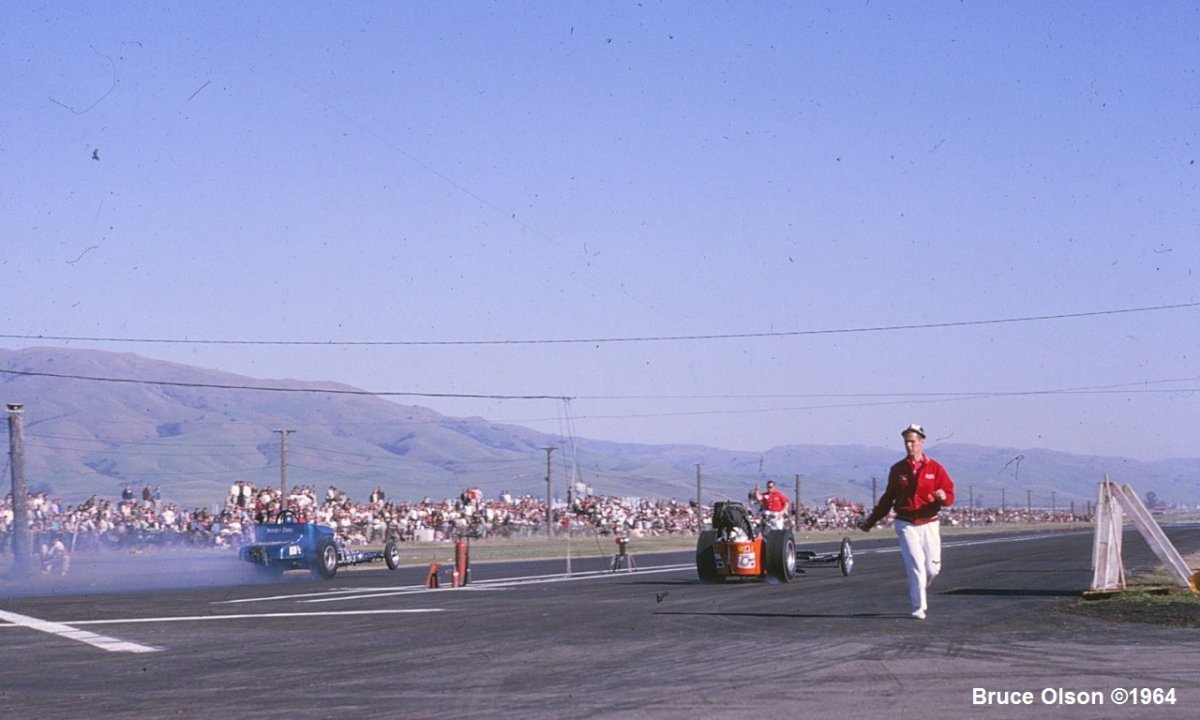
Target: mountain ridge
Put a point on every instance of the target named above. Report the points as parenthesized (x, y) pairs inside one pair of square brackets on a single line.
[(96, 420)]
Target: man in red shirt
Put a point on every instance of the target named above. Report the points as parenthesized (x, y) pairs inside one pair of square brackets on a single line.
[(918, 488), (774, 504)]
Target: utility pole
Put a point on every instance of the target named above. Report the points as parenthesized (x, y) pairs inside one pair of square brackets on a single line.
[(283, 465), (699, 502), (796, 504), (22, 555), (549, 496)]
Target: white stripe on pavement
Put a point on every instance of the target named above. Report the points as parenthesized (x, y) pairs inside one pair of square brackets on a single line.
[(252, 616), (71, 633)]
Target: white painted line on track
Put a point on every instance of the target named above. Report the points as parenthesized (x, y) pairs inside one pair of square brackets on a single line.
[(367, 593), (481, 585), (324, 596), (67, 631), (247, 616), (594, 575), (289, 597), (967, 543), (590, 575)]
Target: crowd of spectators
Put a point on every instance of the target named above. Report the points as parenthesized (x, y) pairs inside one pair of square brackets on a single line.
[(140, 520), (974, 517)]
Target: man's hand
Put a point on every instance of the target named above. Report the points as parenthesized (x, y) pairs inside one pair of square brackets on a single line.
[(939, 495), (863, 525)]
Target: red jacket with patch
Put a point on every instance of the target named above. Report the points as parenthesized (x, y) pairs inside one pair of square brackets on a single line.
[(910, 492)]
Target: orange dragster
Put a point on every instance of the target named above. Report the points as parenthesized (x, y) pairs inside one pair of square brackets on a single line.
[(734, 547)]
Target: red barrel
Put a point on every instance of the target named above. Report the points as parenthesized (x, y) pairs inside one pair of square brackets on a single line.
[(462, 560)]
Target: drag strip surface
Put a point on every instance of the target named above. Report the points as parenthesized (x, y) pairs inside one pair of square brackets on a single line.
[(525, 639)]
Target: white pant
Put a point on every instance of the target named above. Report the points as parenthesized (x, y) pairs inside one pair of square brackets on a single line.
[(921, 549)]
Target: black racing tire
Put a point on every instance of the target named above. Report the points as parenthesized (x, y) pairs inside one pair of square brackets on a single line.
[(846, 557), (391, 554), (325, 562), (706, 562), (781, 555)]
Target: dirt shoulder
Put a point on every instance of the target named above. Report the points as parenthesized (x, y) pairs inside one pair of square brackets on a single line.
[(1151, 598)]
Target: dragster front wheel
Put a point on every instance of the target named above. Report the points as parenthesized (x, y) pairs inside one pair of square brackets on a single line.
[(391, 554), (846, 557)]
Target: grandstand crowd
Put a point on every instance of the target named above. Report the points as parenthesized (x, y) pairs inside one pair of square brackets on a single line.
[(139, 520)]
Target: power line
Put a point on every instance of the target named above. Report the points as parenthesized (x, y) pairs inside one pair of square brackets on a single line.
[(618, 339), (1141, 386), (285, 389), (879, 398)]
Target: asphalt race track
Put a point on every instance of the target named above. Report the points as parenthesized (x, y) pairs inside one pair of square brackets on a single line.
[(199, 637)]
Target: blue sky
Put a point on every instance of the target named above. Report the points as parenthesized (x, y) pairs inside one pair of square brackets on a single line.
[(419, 185)]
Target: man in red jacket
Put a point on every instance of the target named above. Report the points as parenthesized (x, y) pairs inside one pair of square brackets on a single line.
[(918, 488), (774, 506)]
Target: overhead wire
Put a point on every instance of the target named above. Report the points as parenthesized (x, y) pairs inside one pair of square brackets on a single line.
[(499, 396), (1122, 388), (276, 388), (611, 339), (566, 419)]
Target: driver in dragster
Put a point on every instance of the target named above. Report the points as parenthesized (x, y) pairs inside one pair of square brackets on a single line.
[(774, 506)]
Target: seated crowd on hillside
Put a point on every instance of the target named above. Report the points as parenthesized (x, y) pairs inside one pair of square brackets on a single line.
[(134, 522)]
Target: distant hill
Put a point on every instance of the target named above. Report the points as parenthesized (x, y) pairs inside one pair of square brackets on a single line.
[(95, 421)]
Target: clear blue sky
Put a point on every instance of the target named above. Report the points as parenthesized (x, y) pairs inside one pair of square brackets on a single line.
[(481, 173)]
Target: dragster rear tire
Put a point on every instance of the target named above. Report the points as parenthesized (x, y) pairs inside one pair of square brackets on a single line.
[(781, 555), (706, 562), (325, 564)]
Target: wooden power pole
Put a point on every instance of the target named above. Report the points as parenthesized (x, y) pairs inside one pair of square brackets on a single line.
[(549, 496), (283, 492), (22, 553)]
